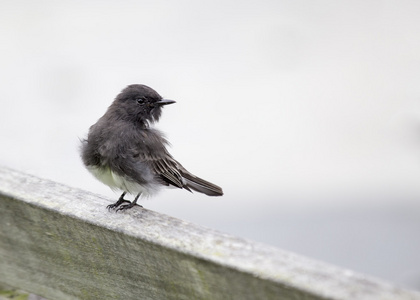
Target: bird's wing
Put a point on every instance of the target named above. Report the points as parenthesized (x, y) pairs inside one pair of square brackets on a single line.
[(167, 169), (171, 172), (152, 152)]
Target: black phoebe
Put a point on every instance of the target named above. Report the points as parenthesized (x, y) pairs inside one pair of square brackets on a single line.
[(125, 153)]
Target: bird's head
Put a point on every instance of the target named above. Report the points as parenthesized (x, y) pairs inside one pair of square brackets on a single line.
[(139, 103)]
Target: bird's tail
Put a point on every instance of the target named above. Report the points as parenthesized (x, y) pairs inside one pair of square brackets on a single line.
[(200, 185)]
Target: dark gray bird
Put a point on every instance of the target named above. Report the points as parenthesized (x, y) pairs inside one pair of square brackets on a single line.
[(125, 153)]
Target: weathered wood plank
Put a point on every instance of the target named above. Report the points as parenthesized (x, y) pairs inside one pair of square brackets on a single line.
[(61, 243)]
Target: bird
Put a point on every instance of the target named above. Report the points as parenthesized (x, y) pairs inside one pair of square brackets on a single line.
[(124, 151)]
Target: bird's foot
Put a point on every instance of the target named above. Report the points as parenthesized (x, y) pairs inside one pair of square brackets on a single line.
[(121, 200), (127, 206), (116, 204)]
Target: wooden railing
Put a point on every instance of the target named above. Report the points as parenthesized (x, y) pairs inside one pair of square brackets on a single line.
[(61, 243)]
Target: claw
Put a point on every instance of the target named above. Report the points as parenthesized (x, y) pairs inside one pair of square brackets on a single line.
[(127, 206), (121, 200), (116, 204)]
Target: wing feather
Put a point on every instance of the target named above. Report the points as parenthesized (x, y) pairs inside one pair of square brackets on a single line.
[(151, 151)]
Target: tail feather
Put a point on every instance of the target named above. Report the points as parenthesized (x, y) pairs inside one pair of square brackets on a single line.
[(200, 185)]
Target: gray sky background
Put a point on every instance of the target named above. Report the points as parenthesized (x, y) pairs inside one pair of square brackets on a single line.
[(302, 111)]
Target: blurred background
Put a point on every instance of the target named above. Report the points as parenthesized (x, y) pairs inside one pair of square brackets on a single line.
[(307, 113)]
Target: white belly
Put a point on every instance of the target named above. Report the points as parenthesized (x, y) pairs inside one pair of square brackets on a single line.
[(115, 181)]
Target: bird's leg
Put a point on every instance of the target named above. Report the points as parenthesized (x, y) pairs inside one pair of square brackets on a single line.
[(119, 202), (130, 205)]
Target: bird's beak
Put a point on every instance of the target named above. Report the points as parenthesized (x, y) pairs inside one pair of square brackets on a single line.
[(165, 102)]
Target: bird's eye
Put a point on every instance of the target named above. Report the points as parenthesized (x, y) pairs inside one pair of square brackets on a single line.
[(140, 100)]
